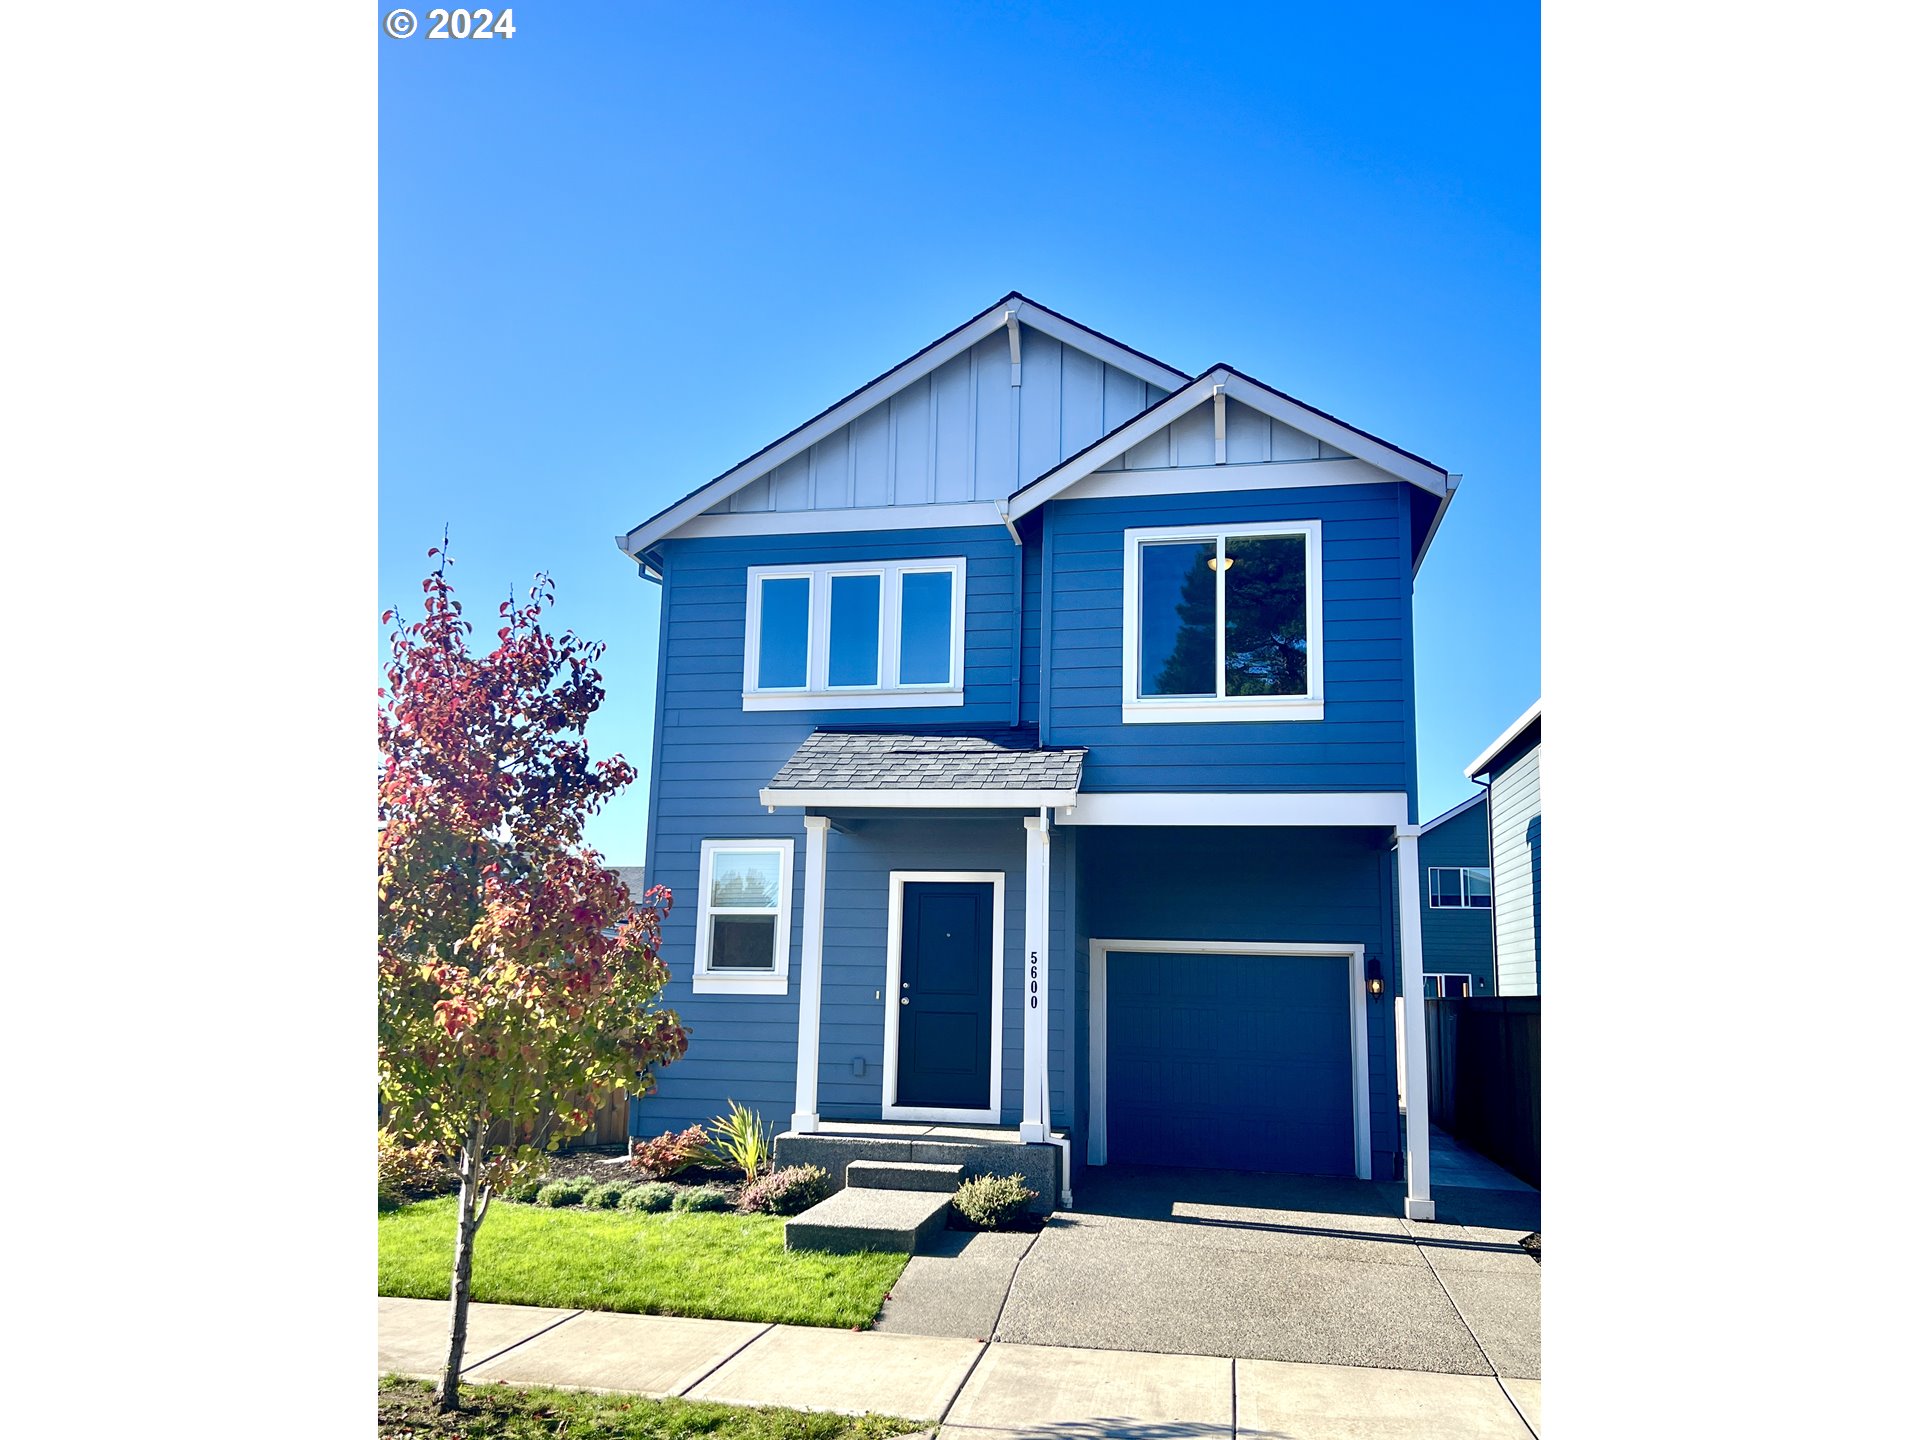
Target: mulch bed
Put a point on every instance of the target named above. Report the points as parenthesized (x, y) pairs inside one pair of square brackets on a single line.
[(601, 1163)]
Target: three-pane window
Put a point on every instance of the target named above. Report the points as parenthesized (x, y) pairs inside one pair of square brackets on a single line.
[(1223, 624), (852, 636), (1459, 887)]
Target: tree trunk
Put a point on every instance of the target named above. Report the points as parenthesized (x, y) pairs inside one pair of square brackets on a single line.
[(469, 1221)]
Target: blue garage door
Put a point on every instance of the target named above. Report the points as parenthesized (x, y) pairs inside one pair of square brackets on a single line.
[(1233, 1061)]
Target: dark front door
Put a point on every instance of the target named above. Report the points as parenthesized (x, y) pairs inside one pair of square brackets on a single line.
[(945, 1001)]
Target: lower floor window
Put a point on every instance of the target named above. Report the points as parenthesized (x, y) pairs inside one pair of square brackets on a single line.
[(745, 909), (1439, 987), (1459, 887)]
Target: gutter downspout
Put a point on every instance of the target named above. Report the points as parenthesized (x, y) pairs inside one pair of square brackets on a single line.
[(1493, 927)]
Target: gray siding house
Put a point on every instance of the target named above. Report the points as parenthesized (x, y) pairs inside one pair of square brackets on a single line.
[(1456, 921), (1510, 768), (1034, 758)]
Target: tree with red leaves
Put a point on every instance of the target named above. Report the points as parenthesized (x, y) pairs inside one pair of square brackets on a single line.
[(518, 979)]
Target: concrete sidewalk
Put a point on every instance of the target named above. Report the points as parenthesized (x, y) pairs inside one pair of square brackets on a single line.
[(969, 1389)]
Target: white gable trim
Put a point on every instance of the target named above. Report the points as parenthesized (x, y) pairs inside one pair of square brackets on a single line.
[(1478, 797), (1255, 396), (1507, 736), (1244, 475), (1015, 309)]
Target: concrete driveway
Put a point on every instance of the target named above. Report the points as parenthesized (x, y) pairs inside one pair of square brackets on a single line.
[(1285, 1268)]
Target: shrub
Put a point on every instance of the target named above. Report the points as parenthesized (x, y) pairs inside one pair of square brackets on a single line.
[(786, 1191), (653, 1196), (525, 1191), (700, 1197), (411, 1172), (556, 1193), (741, 1141), (992, 1202), (605, 1197), (668, 1154)]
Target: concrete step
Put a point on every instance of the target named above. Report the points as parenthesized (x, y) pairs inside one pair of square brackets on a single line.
[(903, 1175), (852, 1220)]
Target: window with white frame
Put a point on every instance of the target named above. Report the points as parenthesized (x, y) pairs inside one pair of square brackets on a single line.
[(1440, 986), (746, 899), (1459, 887), (886, 633), (1222, 623)]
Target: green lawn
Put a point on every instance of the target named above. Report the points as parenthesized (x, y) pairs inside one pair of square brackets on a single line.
[(723, 1266), (503, 1412)]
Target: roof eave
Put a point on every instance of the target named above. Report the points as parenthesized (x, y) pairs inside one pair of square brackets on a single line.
[(1480, 766)]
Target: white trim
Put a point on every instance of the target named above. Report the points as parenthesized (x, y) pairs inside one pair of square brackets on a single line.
[(813, 924), (887, 692), (1236, 475), (1433, 530), (1478, 797), (945, 514), (1167, 807), (868, 396), (918, 799), (1163, 709), (1356, 956), (1035, 1121), (1433, 902), (743, 982), (897, 881), (1440, 977), (1413, 1036), (1248, 392), (1479, 766)]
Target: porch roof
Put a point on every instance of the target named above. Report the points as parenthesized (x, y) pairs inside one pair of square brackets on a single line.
[(1005, 769)]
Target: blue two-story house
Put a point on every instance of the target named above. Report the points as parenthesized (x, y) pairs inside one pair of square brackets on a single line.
[(1035, 749)]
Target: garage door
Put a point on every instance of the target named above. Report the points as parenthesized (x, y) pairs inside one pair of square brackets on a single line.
[(1233, 1061)]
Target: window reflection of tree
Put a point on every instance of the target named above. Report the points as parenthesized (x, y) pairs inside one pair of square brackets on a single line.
[(1266, 621), (745, 888)]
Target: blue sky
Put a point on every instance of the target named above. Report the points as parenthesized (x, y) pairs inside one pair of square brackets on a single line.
[(636, 242)]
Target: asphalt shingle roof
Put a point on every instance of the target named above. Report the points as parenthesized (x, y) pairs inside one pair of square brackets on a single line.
[(1005, 760)]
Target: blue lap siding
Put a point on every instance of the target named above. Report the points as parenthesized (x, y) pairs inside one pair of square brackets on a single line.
[(1456, 941)]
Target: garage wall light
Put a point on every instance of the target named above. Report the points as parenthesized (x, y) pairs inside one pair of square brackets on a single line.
[(1375, 985)]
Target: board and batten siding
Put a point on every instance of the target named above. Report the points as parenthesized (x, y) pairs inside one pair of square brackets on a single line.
[(1457, 942), (1515, 798), (963, 433), (1252, 883), (713, 758), (1365, 741)]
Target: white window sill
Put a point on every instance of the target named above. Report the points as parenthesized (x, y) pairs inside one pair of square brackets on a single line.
[(1202, 712), (854, 700), (742, 984)]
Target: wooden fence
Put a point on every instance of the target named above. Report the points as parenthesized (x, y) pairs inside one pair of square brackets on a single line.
[(1483, 1077)]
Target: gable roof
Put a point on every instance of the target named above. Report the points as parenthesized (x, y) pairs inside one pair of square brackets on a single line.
[(883, 387), (1479, 797), (1277, 404), (1491, 755)]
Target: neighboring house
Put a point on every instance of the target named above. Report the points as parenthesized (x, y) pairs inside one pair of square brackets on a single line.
[(1456, 925), (1510, 768), (1035, 747)]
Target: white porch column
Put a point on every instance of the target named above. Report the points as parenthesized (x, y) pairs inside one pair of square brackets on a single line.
[(813, 926), (1033, 981), (1413, 993)]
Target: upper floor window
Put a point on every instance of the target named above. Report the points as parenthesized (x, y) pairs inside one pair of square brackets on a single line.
[(1222, 623), (1459, 887), (855, 635), (745, 908)]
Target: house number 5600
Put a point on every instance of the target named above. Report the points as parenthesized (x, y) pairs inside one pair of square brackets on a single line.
[(1033, 979)]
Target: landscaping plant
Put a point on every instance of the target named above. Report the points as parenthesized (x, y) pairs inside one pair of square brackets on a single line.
[(654, 1195), (700, 1197), (786, 1191), (559, 1193), (992, 1202), (411, 1172), (605, 1197), (668, 1154), (741, 1141), (517, 977)]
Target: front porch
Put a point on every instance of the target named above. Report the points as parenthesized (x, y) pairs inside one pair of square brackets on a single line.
[(977, 1149)]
